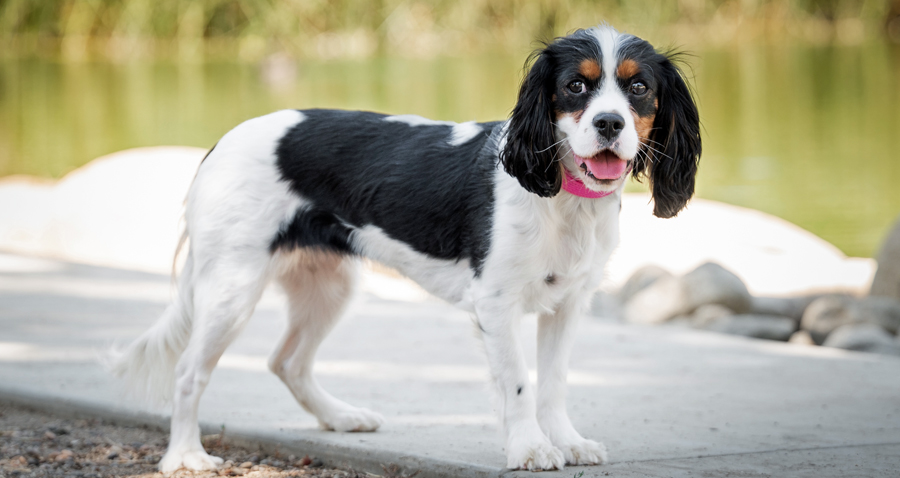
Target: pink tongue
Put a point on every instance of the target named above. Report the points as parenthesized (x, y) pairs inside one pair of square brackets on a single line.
[(604, 166)]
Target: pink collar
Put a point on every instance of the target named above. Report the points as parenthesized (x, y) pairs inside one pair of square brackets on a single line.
[(574, 186)]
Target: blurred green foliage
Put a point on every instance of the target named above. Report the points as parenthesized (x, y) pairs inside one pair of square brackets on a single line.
[(253, 29)]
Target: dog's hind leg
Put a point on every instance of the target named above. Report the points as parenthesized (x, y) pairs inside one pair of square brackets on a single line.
[(225, 293), (318, 285)]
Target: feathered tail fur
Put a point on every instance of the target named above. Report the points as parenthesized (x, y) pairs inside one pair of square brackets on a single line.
[(148, 364)]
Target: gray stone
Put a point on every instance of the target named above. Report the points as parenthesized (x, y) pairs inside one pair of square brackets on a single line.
[(707, 313), (887, 278), (657, 303), (640, 280), (801, 337), (606, 306), (784, 306), (884, 311), (771, 327), (863, 338), (713, 284), (670, 297), (828, 313)]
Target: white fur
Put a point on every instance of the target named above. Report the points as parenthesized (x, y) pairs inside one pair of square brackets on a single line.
[(463, 132), (444, 278), (416, 120), (459, 135), (546, 256), (570, 238)]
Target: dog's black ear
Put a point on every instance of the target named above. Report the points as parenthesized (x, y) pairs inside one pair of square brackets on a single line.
[(528, 154), (674, 140)]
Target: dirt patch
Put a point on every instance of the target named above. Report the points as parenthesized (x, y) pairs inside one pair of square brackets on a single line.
[(34, 444)]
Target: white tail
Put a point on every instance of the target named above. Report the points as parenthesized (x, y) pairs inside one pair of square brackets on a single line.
[(148, 363)]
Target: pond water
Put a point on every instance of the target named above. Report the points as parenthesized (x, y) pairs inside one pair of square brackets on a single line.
[(809, 134)]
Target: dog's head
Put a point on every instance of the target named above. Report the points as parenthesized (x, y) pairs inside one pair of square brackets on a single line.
[(602, 104)]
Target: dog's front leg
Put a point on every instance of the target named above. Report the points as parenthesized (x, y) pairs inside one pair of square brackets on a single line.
[(526, 445), (556, 334)]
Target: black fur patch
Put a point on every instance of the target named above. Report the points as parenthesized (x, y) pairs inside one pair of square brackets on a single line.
[(529, 154), (358, 169), (314, 228), (675, 143)]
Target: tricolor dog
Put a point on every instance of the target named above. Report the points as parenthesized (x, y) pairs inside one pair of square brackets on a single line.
[(500, 219)]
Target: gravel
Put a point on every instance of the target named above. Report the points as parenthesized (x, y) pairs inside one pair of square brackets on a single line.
[(34, 444)]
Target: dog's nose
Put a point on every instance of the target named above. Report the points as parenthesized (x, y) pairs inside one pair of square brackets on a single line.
[(609, 125)]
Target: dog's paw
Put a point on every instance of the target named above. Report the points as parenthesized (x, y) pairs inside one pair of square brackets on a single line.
[(352, 419), (532, 451), (192, 460), (576, 449), (584, 452)]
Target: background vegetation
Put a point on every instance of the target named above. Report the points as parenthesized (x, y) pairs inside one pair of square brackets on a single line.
[(252, 29), (799, 99)]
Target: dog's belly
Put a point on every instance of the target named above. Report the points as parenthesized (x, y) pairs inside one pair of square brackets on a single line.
[(449, 280)]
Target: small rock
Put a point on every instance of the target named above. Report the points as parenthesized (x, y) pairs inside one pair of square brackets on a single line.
[(64, 455), (792, 307), (228, 464), (770, 327), (656, 304), (254, 459), (801, 337), (887, 277), (707, 313), (640, 280), (827, 313), (305, 461), (48, 435), (863, 338), (606, 306), (316, 463), (112, 455), (246, 464), (884, 311), (670, 297), (713, 284)]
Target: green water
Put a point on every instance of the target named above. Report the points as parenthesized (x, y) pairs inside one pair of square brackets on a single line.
[(809, 134)]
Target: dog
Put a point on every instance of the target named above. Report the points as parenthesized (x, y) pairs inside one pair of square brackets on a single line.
[(500, 219)]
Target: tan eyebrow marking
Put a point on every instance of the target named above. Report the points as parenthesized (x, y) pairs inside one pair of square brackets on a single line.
[(589, 69), (627, 69)]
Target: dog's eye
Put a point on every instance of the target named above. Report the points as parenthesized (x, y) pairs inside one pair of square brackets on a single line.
[(638, 88), (576, 87)]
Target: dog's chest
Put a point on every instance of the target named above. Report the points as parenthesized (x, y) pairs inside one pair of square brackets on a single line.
[(567, 258)]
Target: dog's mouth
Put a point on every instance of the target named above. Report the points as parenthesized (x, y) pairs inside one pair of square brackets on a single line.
[(604, 166)]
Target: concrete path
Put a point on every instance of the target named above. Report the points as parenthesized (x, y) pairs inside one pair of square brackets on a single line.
[(666, 401)]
